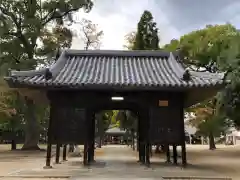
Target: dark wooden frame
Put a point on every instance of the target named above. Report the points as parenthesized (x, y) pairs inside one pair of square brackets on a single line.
[(142, 102)]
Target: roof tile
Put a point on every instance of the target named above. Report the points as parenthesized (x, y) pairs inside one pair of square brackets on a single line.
[(117, 68)]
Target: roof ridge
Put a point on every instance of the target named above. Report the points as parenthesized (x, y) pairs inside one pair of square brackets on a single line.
[(58, 65), (137, 53)]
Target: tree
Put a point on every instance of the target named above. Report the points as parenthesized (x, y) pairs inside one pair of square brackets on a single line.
[(209, 120), (90, 34), (229, 99), (173, 45), (130, 39), (104, 119), (28, 32), (145, 38), (128, 120), (58, 38), (206, 50), (202, 48), (147, 33), (3, 90)]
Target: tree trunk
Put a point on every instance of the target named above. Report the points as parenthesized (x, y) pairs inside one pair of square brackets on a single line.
[(212, 145), (32, 131)]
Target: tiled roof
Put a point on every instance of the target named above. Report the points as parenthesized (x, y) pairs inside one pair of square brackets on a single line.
[(114, 69), (115, 130)]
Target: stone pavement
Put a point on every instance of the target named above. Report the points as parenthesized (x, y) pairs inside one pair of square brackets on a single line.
[(113, 162)]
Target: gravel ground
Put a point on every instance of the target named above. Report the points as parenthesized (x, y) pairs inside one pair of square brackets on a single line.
[(117, 162)]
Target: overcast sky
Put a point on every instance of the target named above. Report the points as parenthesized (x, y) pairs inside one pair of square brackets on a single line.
[(174, 17)]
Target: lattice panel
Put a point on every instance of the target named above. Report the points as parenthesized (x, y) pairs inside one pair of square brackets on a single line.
[(165, 125), (69, 125)]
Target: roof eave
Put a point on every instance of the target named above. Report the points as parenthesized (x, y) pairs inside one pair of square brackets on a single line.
[(197, 95), (54, 69), (38, 95), (14, 83), (10, 82)]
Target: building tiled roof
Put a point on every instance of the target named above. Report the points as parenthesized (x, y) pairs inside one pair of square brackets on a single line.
[(113, 69), (115, 130)]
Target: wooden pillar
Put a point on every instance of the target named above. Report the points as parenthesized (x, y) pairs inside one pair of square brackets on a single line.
[(147, 161), (48, 157), (142, 151), (86, 141), (139, 142), (57, 157), (65, 152), (147, 140), (184, 158), (183, 145), (89, 154), (142, 140), (92, 137), (142, 148), (143, 137), (49, 139), (137, 138), (85, 153), (151, 152), (175, 155), (168, 153)]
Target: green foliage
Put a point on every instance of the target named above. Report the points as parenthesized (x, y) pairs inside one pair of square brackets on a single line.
[(57, 37), (104, 119), (147, 33), (114, 120), (127, 120), (208, 120), (145, 38), (214, 48), (30, 30), (172, 46), (14, 121), (202, 48), (229, 99)]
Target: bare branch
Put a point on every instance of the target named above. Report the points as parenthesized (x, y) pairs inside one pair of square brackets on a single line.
[(90, 34), (54, 16)]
